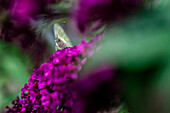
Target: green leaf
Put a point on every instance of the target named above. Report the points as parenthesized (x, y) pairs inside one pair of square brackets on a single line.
[(14, 73), (139, 47), (123, 109)]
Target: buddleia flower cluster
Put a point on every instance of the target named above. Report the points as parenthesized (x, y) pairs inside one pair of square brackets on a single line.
[(45, 91)]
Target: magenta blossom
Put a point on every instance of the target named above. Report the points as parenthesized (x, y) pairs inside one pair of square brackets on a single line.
[(46, 89)]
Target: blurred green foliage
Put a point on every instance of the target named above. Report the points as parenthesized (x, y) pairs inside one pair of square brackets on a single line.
[(123, 109), (14, 72), (139, 48), (63, 6)]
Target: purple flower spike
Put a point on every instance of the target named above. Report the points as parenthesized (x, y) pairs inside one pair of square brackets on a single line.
[(102, 11), (46, 89)]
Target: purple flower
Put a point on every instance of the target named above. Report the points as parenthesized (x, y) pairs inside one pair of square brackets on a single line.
[(46, 90), (88, 12)]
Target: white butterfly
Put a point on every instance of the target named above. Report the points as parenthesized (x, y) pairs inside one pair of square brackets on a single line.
[(61, 38)]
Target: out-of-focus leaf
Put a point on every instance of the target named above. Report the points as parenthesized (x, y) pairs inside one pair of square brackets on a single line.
[(123, 109), (63, 6), (14, 71), (139, 48), (137, 41)]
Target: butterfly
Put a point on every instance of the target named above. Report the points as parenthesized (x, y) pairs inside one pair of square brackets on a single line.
[(61, 38)]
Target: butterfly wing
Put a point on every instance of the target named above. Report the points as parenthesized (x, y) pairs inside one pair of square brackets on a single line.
[(61, 38)]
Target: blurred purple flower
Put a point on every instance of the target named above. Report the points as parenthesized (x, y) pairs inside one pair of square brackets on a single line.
[(25, 10), (22, 11), (97, 92), (17, 27), (102, 11), (46, 88)]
